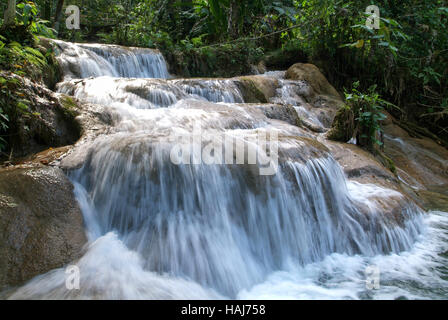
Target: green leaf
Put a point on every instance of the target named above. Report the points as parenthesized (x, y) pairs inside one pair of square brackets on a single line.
[(21, 106), (4, 116)]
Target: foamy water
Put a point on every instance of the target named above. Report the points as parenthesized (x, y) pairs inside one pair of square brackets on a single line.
[(111, 271), (420, 273)]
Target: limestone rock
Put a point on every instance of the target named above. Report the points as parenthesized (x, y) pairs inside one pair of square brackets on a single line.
[(41, 224), (311, 74), (257, 88)]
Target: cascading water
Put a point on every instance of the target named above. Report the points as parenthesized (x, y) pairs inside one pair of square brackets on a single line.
[(160, 230), (90, 60)]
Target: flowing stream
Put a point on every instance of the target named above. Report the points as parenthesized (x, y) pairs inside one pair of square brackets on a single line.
[(158, 229)]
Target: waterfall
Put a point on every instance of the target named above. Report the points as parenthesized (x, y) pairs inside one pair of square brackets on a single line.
[(94, 60), (160, 230), (230, 234), (212, 90)]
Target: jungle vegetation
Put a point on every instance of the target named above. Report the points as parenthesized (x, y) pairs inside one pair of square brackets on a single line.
[(404, 62)]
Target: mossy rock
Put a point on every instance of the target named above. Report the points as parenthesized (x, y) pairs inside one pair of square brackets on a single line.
[(52, 72), (257, 89), (251, 93), (342, 128), (70, 111), (386, 161), (311, 74), (49, 121), (69, 106)]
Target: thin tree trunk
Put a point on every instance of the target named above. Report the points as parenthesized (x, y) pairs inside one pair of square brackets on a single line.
[(232, 27), (10, 13), (57, 15)]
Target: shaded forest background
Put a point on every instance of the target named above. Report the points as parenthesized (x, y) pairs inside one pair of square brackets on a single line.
[(405, 62)]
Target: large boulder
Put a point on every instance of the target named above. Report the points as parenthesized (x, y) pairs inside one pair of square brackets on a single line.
[(343, 127), (257, 89), (311, 74), (41, 224), (321, 101)]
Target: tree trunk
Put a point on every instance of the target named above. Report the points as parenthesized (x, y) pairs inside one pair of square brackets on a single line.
[(57, 15), (232, 27), (10, 13)]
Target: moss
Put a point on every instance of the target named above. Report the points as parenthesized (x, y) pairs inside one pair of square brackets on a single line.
[(52, 72), (390, 164), (385, 161), (70, 112), (299, 122), (69, 105)]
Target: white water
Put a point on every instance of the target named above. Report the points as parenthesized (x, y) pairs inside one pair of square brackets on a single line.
[(420, 273), (111, 271), (161, 231), (94, 60)]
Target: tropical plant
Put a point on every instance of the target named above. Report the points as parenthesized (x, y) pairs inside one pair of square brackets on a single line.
[(368, 113), (12, 106)]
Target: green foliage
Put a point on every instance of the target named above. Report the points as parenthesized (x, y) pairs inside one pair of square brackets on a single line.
[(20, 57), (192, 60), (12, 105), (368, 113), (407, 58), (27, 16)]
